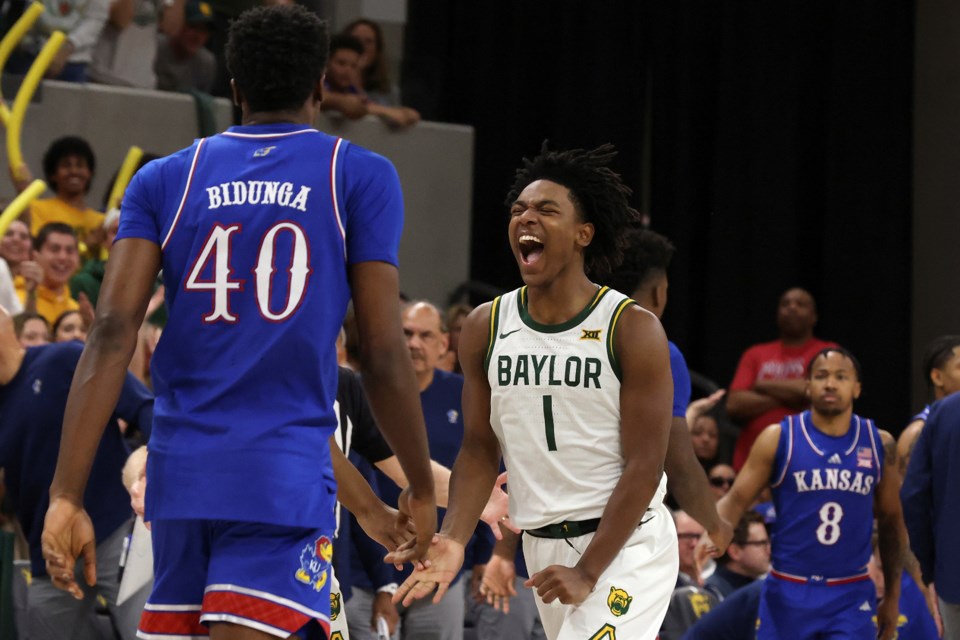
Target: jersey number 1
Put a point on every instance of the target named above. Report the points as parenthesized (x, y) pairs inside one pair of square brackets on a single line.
[(217, 248)]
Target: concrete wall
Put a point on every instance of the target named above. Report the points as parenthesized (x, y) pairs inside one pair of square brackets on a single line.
[(435, 163), (936, 179)]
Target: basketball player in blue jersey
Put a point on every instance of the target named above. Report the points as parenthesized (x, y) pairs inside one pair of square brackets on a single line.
[(263, 233), (571, 382), (831, 472)]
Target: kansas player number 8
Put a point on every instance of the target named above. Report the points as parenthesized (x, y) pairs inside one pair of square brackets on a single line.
[(217, 249), (831, 513)]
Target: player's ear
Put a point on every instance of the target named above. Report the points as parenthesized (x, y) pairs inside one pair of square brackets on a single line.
[(318, 89), (585, 234), (856, 390), (936, 377), (235, 92)]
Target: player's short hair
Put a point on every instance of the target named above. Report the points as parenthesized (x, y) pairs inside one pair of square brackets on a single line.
[(49, 228), (646, 255), (598, 194), (842, 351), (938, 353), (345, 41), (276, 55), (65, 147)]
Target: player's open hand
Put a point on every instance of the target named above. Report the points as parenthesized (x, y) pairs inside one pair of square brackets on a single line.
[(423, 512), (441, 567), (497, 584), (67, 535), (569, 585), (888, 613), (386, 526), (495, 513)]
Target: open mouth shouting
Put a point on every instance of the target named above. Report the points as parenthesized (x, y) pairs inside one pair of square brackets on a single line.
[(531, 248)]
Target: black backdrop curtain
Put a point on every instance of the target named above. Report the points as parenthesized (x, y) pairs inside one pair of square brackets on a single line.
[(770, 141)]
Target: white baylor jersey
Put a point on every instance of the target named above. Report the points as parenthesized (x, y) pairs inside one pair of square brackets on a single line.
[(555, 407)]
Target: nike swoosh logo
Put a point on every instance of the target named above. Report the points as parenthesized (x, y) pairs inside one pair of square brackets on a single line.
[(508, 333)]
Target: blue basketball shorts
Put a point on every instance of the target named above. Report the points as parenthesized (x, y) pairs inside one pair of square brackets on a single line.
[(272, 578), (801, 611)]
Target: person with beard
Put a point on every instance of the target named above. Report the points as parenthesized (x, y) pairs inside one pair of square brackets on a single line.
[(831, 473), (768, 384)]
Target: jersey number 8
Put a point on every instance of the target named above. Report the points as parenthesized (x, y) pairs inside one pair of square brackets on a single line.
[(831, 513)]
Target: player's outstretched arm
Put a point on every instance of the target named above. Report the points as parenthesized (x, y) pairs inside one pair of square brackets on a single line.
[(754, 476), (892, 538), (646, 400), (377, 519), (474, 471), (97, 382), (687, 482), (391, 386)]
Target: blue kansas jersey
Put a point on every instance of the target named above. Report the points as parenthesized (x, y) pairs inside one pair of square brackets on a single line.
[(823, 490), (257, 228)]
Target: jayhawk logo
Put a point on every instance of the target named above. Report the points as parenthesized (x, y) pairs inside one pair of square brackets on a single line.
[(315, 563), (334, 605), (618, 601)]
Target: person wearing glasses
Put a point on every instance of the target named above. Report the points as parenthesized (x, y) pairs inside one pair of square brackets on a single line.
[(721, 477), (747, 558)]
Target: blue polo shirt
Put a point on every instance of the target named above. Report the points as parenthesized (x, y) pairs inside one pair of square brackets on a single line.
[(681, 381), (31, 421)]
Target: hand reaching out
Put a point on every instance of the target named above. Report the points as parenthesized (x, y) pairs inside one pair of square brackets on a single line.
[(497, 584), (443, 561), (495, 513), (67, 535)]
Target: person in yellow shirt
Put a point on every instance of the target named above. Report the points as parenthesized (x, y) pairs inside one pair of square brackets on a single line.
[(68, 166), (55, 250)]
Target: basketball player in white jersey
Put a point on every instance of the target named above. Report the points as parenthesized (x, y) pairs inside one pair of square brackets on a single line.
[(571, 383)]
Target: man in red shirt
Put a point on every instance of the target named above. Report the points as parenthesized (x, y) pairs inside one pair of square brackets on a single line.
[(769, 383)]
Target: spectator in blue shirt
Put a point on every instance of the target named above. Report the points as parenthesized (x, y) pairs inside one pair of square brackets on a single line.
[(931, 507)]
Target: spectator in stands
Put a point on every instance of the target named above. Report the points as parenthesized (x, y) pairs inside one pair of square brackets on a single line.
[(8, 290), (69, 326), (931, 508), (689, 600), (125, 53), (374, 77), (721, 477), (31, 329), (182, 62), (68, 165), (705, 436), (87, 281), (55, 248), (33, 394), (747, 558), (456, 314), (17, 251), (769, 383), (343, 93), (81, 21), (941, 368)]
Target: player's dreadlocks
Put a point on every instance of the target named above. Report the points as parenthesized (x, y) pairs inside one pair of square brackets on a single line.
[(647, 253), (276, 55), (597, 192)]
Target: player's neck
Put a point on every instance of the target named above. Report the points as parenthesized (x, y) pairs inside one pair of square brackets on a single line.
[(303, 115), (832, 425), (560, 299)]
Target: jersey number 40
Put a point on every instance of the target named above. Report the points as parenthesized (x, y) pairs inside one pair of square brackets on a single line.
[(216, 249)]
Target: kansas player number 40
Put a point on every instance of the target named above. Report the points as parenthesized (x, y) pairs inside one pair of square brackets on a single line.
[(217, 249)]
